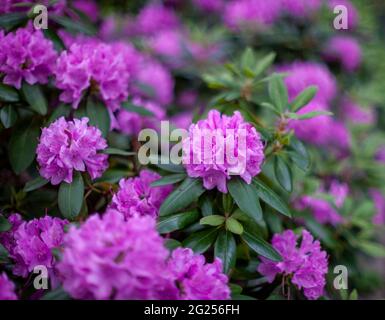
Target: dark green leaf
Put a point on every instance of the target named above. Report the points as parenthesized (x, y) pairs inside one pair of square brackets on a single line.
[(22, 146), (201, 241), (246, 198), (137, 109), (70, 198), (3, 254), (271, 198), (98, 114), (206, 207), (304, 98), (261, 247), (72, 26), (8, 116), (10, 20), (213, 220), (35, 184), (63, 110), (283, 174), (181, 197), (278, 93), (234, 226), (56, 40), (56, 294), (225, 248), (35, 98), (118, 152), (170, 179), (169, 167), (298, 154), (178, 221), (113, 176), (4, 224), (8, 93), (172, 244)]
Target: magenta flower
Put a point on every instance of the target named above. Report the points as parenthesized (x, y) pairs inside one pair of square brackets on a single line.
[(196, 279), (306, 264), (304, 74), (109, 257), (66, 146), (182, 120), (26, 55), (93, 66), (33, 244), (251, 13), (7, 288), (379, 203), (380, 154), (88, 7), (322, 210), (137, 198), (356, 114), (301, 8), (346, 50), (221, 146)]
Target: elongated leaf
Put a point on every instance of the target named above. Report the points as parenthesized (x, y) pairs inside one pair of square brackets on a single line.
[(118, 152), (75, 27), (170, 179), (35, 184), (176, 222), (234, 226), (246, 198), (261, 247), (63, 110), (304, 98), (278, 93), (264, 63), (4, 224), (22, 146), (206, 207), (3, 254), (201, 241), (137, 109), (309, 115), (283, 174), (71, 197), (11, 20), (98, 114), (113, 175), (35, 98), (298, 154), (213, 220), (225, 248), (271, 198), (8, 116), (167, 166), (372, 248), (172, 244), (56, 294), (184, 195), (8, 94)]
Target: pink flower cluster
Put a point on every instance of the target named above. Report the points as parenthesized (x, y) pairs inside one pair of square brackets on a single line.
[(221, 146), (306, 264), (7, 288), (93, 66), (66, 146), (196, 279), (301, 8), (110, 257), (137, 198), (345, 50), (30, 243), (322, 210), (379, 203), (356, 114), (26, 55)]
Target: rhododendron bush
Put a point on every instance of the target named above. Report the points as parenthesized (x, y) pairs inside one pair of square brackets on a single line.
[(192, 150)]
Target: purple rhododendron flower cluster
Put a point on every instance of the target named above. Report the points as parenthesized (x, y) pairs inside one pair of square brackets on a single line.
[(301, 8), (379, 203), (136, 197), (26, 55), (196, 279), (322, 210), (66, 146), (306, 264), (356, 114), (92, 66), (214, 161), (7, 288)]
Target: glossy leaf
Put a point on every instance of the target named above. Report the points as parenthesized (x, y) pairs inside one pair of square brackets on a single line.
[(304, 98), (35, 184), (8, 116), (201, 241), (70, 197), (33, 94), (283, 174), (261, 247), (234, 226), (178, 221), (225, 248), (8, 93), (213, 220), (170, 179)]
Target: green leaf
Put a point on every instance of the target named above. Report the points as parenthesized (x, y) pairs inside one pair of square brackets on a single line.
[(278, 93), (225, 248), (176, 222), (56, 294), (63, 110), (118, 152), (206, 207), (35, 184), (170, 179), (264, 63), (3, 254), (22, 146), (35, 98), (4, 224), (309, 115), (321, 232), (8, 116), (98, 114), (283, 174), (261, 247), (8, 93), (201, 241), (248, 62), (172, 244), (113, 176), (234, 226), (213, 220), (169, 167), (271, 198), (304, 98), (373, 249), (298, 154), (137, 109), (10, 20), (72, 26), (235, 289), (71, 197), (246, 198), (181, 197)]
